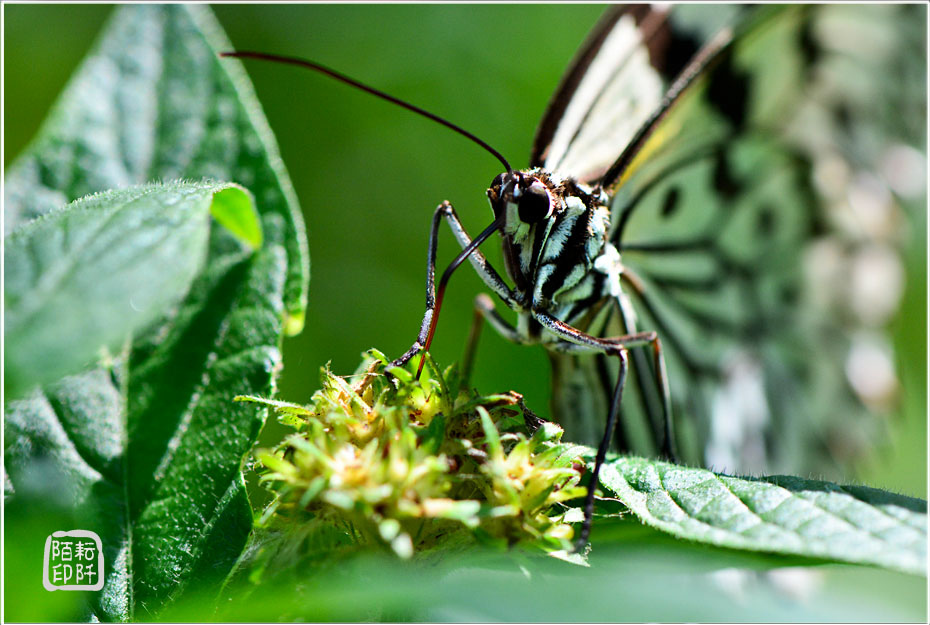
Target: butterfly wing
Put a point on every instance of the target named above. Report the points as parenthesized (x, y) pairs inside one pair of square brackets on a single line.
[(713, 215), (613, 85), (711, 209)]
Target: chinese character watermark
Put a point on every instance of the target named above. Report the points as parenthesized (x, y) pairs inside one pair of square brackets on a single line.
[(73, 561)]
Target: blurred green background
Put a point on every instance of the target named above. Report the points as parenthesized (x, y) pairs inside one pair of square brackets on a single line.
[(369, 174)]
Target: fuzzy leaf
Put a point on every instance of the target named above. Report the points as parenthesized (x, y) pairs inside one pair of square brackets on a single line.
[(153, 101), (88, 275), (779, 514)]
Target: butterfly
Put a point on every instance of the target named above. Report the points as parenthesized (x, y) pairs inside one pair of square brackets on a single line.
[(654, 245)]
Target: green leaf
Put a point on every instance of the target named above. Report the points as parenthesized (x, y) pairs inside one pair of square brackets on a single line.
[(88, 275), (147, 449), (153, 101), (780, 514), (233, 207)]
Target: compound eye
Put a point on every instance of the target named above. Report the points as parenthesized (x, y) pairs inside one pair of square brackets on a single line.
[(534, 204), (498, 180)]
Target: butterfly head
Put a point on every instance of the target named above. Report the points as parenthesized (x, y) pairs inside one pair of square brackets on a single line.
[(523, 199)]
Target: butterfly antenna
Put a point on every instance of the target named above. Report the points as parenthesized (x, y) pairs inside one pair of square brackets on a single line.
[(290, 60)]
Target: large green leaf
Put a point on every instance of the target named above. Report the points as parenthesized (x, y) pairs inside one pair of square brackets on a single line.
[(88, 275), (146, 449), (153, 102), (779, 514)]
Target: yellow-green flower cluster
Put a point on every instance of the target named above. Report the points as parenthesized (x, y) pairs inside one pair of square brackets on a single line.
[(383, 458)]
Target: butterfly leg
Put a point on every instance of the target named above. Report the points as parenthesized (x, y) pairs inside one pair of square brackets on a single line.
[(487, 273), (485, 312), (668, 440), (574, 340)]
